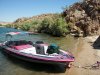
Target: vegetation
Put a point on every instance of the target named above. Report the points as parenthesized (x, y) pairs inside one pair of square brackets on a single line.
[(54, 25), (0, 24), (8, 26)]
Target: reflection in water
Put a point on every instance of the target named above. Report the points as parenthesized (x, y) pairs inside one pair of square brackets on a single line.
[(12, 66), (34, 66)]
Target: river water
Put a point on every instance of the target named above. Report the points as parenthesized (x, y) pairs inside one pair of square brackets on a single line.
[(12, 66)]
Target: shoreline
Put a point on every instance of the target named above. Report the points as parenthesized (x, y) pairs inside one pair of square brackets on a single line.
[(85, 55)]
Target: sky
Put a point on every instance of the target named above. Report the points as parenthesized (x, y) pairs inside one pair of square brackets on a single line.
[(10, 10)]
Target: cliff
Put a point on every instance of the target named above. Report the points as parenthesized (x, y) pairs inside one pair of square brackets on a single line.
[(84, 17)]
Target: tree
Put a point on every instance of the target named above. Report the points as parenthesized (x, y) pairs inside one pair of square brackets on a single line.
[(60, 27), (8, 25), (26, 26), (55, 26)]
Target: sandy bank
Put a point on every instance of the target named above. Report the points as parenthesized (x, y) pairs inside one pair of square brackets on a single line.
[(86, 56)]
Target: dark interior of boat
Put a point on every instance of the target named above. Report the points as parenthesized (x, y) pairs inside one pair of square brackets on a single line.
[(17, 43)]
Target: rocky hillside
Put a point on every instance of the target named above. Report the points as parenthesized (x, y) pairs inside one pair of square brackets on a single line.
[(84, 17), (34, 18)]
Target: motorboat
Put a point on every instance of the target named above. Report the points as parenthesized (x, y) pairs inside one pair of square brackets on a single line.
[(38, 51)]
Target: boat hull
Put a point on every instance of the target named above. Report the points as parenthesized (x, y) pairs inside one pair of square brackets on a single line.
[(34, 60)]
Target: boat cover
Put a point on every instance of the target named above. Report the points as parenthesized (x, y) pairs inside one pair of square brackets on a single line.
[(21, 47)]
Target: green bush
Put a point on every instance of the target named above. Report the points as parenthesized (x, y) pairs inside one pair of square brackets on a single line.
[(54, 26), (60, 27), (0, 24), (26, 26), (8, 25)]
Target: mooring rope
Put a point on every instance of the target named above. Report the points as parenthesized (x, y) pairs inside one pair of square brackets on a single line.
[(97, 56), (93, 66)]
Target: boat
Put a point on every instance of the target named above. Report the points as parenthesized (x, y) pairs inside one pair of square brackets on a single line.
[(38, 52)]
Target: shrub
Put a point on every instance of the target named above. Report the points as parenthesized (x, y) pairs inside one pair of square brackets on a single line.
[(54, 26)]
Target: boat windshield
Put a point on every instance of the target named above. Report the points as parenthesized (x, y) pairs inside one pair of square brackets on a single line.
[(12, 36)]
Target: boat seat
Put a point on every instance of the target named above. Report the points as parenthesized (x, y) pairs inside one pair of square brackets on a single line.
[(45, 49), (31, 50), (39, 50)]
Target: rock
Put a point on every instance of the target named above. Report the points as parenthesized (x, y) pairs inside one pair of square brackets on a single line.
[(92, 39), (85, 15)]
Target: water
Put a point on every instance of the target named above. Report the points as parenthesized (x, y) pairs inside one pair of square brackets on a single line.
[(12, 66)]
